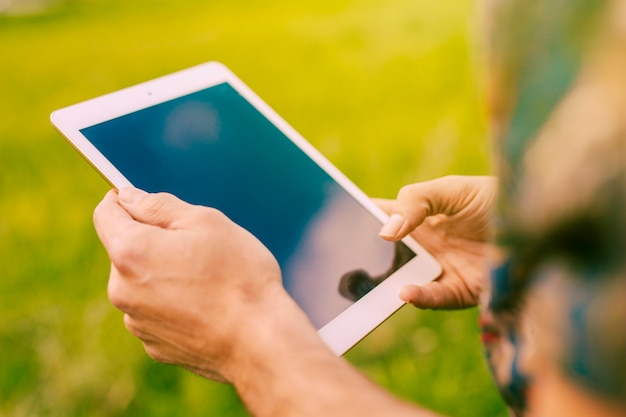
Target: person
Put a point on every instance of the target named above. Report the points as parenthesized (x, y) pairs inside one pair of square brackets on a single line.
[(540, 248)]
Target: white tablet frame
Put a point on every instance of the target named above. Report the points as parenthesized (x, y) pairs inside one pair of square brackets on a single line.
[(353, 324)]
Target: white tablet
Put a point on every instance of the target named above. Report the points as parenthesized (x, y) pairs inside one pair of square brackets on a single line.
[(205, 137)]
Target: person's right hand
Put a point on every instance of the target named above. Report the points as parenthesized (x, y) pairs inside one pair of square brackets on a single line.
[(194, 286), (203, 293), (451, 218)]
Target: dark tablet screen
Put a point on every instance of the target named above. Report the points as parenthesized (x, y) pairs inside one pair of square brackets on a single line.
[(214, 148)]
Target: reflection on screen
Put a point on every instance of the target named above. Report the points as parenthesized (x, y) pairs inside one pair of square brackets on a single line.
[(215, 149)]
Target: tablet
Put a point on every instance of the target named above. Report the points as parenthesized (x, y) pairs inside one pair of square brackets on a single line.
[(204, 136)]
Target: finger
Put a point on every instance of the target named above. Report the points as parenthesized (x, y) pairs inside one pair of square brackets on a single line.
[(137, 329), (415, 202), (131, 245), (435, 295), (110, 218), (160, 209), (421, 296), (118, 291), (384, 204), (408, 211)]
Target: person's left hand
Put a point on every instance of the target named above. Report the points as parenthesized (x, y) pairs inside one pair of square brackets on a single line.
[(451, 218), (190, 281)]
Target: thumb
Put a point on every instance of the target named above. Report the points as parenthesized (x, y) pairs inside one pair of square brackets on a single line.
[(160, 209)]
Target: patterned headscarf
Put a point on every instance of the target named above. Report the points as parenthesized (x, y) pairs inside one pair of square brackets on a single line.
[(558, 74)]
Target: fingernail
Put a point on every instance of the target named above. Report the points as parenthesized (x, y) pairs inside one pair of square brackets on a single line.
[(130, 195), (393, 226)]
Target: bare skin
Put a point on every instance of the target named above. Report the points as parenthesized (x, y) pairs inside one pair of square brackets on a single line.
[(193, 302), (450, 217), (225, 317)]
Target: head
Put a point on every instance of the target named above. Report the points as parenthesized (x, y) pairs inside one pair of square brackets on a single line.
[(558, 81)]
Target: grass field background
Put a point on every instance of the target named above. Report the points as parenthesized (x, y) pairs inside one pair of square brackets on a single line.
[(387, 89)]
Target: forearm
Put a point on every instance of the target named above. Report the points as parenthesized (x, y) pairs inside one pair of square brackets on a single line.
[(284, 369)]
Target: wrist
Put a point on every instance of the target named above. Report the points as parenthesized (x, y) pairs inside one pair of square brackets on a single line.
[(271, 330), (280, 367), (271, 359)]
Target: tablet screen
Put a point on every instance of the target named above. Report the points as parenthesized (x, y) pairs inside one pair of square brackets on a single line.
[(216, 149)]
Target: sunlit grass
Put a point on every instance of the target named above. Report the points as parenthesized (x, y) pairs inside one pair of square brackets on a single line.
[(385, 88)]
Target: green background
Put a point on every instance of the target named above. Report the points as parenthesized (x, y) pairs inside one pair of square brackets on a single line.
[(388, 90)]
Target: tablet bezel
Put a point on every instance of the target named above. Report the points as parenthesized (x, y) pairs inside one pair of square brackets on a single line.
[(354, 323)]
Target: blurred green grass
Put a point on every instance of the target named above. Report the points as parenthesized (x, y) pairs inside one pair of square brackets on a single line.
[(387, 89)]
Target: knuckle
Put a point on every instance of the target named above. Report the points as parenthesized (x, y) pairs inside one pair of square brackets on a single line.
[(435, 300), (118, 296), (97, 213), (131, 326), (154, 203), (211, 215), (124, 253), (473, 295), (413, 194), (128, 322), (451, 181), (414, 202), (459, 299), (155, 353), (407, 192), (452, 178)]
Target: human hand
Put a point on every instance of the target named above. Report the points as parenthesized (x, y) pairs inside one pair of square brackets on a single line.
[(190, 281), (451, 218), (202, 293)]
